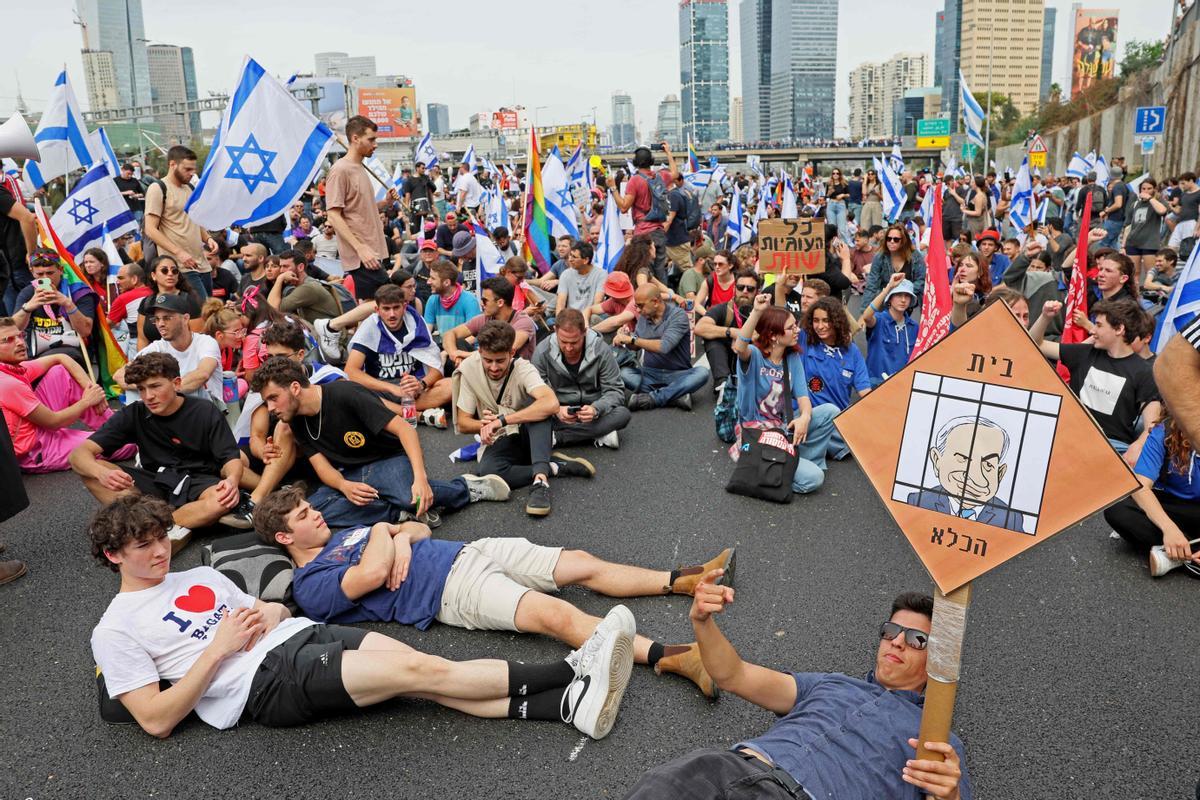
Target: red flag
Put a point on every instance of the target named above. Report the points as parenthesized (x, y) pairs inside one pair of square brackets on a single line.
[(937, 302), (1077, 294)]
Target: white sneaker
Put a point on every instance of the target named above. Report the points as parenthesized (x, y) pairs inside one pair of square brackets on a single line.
[(1161, 563), (434, 418), (606, 661), (330, 341), (609, 440), (619, 619), (487, 487)]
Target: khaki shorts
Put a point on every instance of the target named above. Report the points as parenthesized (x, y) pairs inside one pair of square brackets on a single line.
[(489, 578), (680, 255)]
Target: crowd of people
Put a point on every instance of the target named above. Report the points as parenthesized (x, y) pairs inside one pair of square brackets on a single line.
[(278, 378)]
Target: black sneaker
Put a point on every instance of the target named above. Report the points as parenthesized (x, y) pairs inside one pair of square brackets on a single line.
[(538, 504), (684, 401), (241, 517), (573, 467), (641, 402)]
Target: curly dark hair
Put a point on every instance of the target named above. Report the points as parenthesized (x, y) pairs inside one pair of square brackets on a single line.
[(130, 518), (838, 321), (281, 371), (270, 516), (635, 257), (151, 365)]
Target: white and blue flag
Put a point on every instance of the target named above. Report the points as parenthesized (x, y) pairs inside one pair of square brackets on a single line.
[(894, 197), (99, 145), (114, 255), (787, 205), (612, 238), (93, 204), (380, 171), (578, 173), (896, 159), (1078, 168), (927, 204), (469, 158), (495, 209), (560, 204), (415, 353), (61, 136), (426, 152), (735, 230), (1021, 209), (972, 112), (488, 258), (267, 151), (1183, 305), (1102, 173)]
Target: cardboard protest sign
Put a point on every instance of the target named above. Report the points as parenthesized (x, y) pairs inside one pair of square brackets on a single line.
[(980, 452), (791, 246)]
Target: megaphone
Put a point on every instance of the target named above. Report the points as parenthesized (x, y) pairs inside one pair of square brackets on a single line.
[(16, 140)]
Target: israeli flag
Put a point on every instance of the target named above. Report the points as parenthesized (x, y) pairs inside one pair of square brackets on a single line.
[(1021, 209), (93, 204), (893, 190), (379, 170), (787, 209), (469, 158), (612, 238), (1090, 161), (488, 257), (972, 113), (560, 205), (761, 212), (61, 136), (927, 204), (735, 231), (630, 169), (700, 179), (1102, 173), (896, 159), (1078, 168), (496, 210), (267, 151), (1183, 305), (426, 152), (98, 143), (114, 255), (1135, 184)]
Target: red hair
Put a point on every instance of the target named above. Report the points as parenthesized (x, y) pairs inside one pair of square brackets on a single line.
[(770, 326)]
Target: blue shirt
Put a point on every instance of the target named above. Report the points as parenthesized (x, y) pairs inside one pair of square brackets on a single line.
[(832, 372), (1000, 264), (317, 586), (848, 738), (760, 386), (888, 346), (673, 332), (444, 319), (1155, 464)]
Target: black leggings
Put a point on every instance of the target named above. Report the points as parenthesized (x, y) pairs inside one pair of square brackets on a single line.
[(1136, 528), (519, 457)]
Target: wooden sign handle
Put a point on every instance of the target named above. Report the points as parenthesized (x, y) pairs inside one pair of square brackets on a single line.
[(945, 658)]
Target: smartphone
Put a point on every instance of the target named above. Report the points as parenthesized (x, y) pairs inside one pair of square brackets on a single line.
[(42, 285), (573, 410)]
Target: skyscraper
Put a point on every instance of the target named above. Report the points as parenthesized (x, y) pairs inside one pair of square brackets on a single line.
[(670, 121), (622, 129), (803, 68), (755, 22), (737, 121), (947, 58), (438, 115), (939, 32), (173, 80), (1003, 39), (343, 65), (116, 26), (704, 69), (101, 78), (875, 88), (1048, 28)]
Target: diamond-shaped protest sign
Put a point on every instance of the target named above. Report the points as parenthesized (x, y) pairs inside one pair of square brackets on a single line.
[(980, 452)]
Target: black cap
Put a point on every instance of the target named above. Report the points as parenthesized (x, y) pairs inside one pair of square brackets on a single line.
[(170, 302)]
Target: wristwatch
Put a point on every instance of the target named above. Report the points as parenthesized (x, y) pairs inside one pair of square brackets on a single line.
[(503, 421)]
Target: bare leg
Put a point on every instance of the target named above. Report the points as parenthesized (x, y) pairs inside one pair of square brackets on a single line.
[(250, 478), (372, 676), (102, 492), (204, 510), (488, 709), (274, 472), (581, 568), (436, 397), (553, 616)]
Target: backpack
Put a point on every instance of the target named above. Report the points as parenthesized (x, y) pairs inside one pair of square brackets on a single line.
[(692, 209), (659, 207), (341, 295)]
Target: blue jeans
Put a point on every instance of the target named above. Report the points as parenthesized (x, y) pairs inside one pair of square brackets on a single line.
[(1119, 446), (201, 282), (392, 478), (664, 385), (835, 214), (810, 472), (1112, 233), (837, 449)]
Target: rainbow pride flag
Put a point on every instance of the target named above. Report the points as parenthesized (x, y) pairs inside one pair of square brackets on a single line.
[(693, 159), (538, 245), (110, 356)]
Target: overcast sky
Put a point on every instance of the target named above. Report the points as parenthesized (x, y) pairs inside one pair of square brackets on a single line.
[(566, 56)]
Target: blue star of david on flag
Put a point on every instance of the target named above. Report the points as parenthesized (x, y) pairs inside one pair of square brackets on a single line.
[(83, 212), (238, 172)]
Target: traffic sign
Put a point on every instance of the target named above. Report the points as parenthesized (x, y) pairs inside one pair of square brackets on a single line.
[(1148, 145), (1037, 145), (933, 142), (968, 151), (1037, 159), (1150, 121), (932, 127)]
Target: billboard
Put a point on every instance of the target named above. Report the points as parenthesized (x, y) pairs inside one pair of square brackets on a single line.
[(504, 119), (393, 110), (1094, 56)]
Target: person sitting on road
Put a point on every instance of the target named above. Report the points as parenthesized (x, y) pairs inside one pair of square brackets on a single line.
[(388, 573), (41, 398), (582, 370), (230, 656), (186, 453), (719, 326), (498, 296), (380, 469), (393, 354), (833, 366), (582, 285), (198, 354), (505, 401), (663, 334), (296, 292), (53, 319), (448, 305), (834, 736), (890, 335)]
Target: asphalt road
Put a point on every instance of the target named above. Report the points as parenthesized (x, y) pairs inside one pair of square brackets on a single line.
[(1078, 679)]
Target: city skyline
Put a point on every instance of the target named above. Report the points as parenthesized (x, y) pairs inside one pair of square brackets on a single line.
[(648, 62)]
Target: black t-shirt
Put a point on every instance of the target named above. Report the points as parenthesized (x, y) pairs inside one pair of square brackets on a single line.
[(1114, 390), (1189, 206), (12, 240), (838, 191), (912, 203), (677, 234), (1099, 199), (1119, 189), (951, 210), (195, 439), (444, 237), (225, 286), (421, 188), (131, 185), (792, 301), (149, 328), (726, 316), (855, 187), (351, 426)]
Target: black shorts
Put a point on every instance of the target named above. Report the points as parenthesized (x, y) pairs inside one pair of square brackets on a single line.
[(1134, 252), (301, 679), (176, 488), (368, 281)]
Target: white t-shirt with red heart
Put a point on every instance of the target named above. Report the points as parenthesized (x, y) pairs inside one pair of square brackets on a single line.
[(159, 633)]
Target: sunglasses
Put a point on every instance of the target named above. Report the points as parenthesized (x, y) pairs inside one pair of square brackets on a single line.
[(914, 638), (742, 288), (894, 239), (169, 270)]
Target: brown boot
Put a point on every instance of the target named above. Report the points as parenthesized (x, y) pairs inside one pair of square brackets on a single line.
[(684, 659), (689, 577), (11, 570)]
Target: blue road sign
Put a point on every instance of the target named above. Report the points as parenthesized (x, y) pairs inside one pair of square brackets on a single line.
[(1150, 121)]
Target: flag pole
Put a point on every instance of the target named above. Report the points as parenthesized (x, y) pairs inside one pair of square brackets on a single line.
[(987, 136), (943, 666), (342, 141)]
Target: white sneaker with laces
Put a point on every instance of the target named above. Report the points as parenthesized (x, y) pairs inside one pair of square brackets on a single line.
[(434, 418), (487, 487), (330, 341), (1161, 563), (619, 618), (609, 440), (591, 701)]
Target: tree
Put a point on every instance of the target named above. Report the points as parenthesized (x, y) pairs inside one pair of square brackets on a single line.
[(1141, 55)]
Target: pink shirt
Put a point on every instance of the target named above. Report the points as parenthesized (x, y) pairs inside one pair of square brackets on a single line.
[(18, 400)]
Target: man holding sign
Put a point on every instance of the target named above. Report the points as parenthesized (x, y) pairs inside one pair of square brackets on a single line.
[(836, 736)]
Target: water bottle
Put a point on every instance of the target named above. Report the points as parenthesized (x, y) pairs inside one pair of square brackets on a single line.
[(408, 405), (229, 393)]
